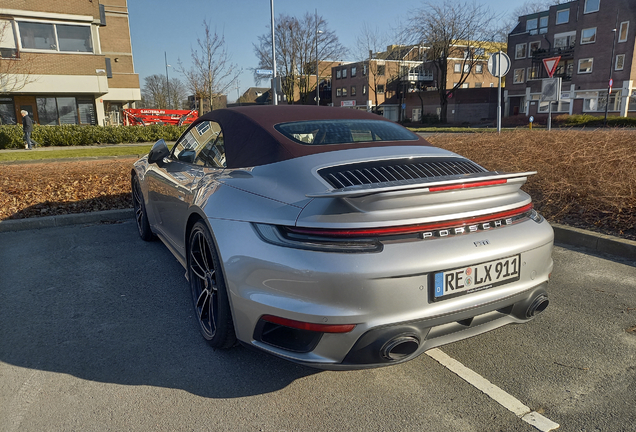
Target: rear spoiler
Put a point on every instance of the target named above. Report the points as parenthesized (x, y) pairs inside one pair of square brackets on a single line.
[(436, 184)]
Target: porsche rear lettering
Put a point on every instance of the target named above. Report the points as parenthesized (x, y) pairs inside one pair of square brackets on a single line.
[(467, 229)]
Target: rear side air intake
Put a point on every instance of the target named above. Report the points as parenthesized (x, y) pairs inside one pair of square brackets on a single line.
[(398, 170)]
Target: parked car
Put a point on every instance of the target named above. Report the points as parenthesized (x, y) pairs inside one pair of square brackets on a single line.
[(337, 239)]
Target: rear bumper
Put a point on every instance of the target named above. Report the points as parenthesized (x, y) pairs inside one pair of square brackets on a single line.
[(386, 294)]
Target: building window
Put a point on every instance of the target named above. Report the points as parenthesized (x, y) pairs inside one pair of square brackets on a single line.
[(477, 85), (338, 74), (531, 25), (534, 46), (466, 68), (622, 34), (344, 73), (480, 52), (364, 90), (585, 65), (381, 69), (380, 89), (353, 90), (465, 85), (55, 37), (416, 114), (597, 101), (8, 47), (344, 92), (533, 72), (563, 16), (338, 92), (519, 76), (564, 40), (492, 84), (560, 106), (7, 111), (479, 68), (520, 51), (620, 62), (364, 70), (591, 6), (353, 71), (65, 110), (543, 25), (457, 68), (588, 36)]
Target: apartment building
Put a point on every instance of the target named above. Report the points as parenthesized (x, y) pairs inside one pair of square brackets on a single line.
[(594, 41), (71, 59), (388, 81)]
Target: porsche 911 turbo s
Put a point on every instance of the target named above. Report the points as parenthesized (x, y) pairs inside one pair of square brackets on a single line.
[(337, 239)]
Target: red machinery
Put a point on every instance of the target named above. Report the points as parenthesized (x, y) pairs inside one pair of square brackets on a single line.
[(146, 116)]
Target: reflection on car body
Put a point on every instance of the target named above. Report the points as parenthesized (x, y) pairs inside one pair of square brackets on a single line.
[(340, 240)]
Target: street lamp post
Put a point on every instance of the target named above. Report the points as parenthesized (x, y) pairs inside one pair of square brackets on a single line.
[(609, 85), (165, 57), (318, 32), (274, 89)]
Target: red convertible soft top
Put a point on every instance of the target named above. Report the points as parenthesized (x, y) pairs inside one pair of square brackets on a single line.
[(251, 139)]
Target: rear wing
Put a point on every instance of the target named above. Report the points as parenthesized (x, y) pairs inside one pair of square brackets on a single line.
[(430, 185)]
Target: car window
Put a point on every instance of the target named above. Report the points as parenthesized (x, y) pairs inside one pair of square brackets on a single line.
[(320, 132), (202, 145)]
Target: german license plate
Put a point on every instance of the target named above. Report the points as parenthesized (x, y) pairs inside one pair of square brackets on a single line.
[(476, 277)]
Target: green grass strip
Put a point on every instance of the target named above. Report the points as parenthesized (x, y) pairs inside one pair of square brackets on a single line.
[(73, 152)]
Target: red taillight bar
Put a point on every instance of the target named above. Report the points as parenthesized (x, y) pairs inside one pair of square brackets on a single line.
[(409, 229), (467, 185), (322, 328)]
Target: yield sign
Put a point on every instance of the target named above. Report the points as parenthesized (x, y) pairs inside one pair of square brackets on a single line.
[(551, 65)]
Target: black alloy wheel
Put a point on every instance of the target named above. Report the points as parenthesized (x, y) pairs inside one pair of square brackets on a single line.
[(141, 216), (209, 293)]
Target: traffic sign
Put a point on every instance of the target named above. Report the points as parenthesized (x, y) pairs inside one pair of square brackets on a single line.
[(551, 65), (494, 66), (266, 72)]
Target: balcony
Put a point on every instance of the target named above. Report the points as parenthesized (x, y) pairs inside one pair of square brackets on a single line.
[(418, 76)]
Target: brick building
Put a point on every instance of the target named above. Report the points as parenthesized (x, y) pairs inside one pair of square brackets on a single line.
[(582, 34), (76, 56), (389, 82)]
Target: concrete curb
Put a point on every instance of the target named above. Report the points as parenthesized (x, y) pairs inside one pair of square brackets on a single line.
[(563, 234), (594, 241), (63, 220)]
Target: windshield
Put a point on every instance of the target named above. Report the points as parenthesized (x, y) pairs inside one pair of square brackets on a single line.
[(321, 132)]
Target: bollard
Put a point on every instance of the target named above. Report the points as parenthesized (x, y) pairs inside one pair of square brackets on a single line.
[(531, 121)]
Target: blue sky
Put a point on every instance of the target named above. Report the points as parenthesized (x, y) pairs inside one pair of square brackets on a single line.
[(173, 26)]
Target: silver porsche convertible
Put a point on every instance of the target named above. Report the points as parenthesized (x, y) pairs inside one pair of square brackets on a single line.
[(337, 239)]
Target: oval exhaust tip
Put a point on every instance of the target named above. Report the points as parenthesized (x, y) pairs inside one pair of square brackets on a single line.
[(538, 305), (400, 347)]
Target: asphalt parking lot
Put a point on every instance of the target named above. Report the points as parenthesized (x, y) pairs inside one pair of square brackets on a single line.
[(97, 334)]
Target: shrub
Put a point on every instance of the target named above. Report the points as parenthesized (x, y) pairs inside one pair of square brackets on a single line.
[(76, 135)]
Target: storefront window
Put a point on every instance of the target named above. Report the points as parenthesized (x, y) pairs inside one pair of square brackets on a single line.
[(7, 112), (67, 110), (86, 110), (47, 111)]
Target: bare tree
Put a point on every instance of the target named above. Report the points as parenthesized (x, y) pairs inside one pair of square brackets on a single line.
[(296, 52), (14, 75), (212, 72), (452, 30), (155, 93), (528, 7)]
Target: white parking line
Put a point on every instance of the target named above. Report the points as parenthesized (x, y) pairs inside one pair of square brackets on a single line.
[(504, 399)]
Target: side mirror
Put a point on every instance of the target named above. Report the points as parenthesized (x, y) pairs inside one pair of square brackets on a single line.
[(187, 156), (158, 152)]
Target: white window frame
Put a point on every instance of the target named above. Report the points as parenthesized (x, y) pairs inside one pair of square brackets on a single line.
[(622, 62), (531, 44), (457, 68), (18, 36), (571, 35), (586, 11), (466, 68), (593, 37), (591, 60), (544, 28), (524, 47), (465, 85), (344, 73), (559, 12), (626, 31), (479, 68), (535, 27), (523, 76)]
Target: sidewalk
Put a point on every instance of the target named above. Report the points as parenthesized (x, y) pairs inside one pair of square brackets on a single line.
[(563, 234)]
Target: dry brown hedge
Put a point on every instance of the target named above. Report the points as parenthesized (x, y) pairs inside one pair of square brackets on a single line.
[(584, 178)]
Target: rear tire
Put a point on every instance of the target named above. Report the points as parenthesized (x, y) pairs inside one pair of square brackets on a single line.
[(209, 293), (141, 216)]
